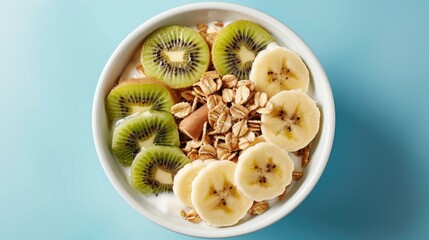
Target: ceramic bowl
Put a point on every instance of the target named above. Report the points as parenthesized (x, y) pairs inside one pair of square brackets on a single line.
[(190, 15)]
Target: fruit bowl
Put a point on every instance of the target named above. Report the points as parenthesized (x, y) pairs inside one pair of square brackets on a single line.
[(191, 15)]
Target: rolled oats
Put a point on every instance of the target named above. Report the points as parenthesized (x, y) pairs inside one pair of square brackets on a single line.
[(227, 95), (197, 90), (219, 137), (201, 98), (304, 153), (234, 159), (192, 216), (240, 128), (265, 110), (181, 110), (214, 29), (254, 125), (215, 143), (222, 153), (213, 75), (256, 98), (188, 147), (210, 38), (249, 84), (263, 99), (218, 24), (202, 27), (223, 123), (245, 141), (238, 111), (252, 107), (207, 151), (187, 95), (213, 101), (231, 142), (205, 138), (258, 208), (218, 84), (222, 145), (193, 154), (281, 196), (229, 81), (215, 113), (296, 175), (208, 86), (195, 144), (182, 213), (194, 104), (242, 95), (191, 145), (233, 156), (140, 69)]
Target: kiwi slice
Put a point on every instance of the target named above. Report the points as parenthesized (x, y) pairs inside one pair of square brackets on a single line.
[(143, 130), (176, 55), (135, 96), (154, 168), (237, 45)]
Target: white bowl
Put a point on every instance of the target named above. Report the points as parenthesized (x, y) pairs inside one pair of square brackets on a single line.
[(190, 15)]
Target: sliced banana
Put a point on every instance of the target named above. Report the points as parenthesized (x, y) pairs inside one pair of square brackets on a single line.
[(278, 68), (182, 185), (263, 171), (215, 197), (294, 121)]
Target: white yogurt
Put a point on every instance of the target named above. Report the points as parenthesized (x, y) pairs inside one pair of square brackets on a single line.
[(131, 69)]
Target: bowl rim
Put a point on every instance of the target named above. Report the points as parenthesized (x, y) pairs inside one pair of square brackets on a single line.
[(304, 190)]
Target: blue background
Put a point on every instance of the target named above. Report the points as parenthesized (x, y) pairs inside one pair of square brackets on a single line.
[(375, 55)]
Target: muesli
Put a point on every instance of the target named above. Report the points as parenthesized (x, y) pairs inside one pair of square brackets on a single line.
[(213, 118)]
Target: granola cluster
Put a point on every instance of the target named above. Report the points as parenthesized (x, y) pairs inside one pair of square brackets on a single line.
[(209, 33), (191, 216), (258, 208), (233, 118)]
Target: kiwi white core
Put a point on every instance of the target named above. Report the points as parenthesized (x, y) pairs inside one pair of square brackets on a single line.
[(147, 142), (246, 55), (139, 109), (177, 56), (163, 176)]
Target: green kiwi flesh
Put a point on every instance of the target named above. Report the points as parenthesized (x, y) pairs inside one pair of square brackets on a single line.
[(176, 55), (154, 168), (130, 99), (237, 45), (143, 130)]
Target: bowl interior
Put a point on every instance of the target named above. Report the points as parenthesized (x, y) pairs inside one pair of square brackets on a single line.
[(190, 15)]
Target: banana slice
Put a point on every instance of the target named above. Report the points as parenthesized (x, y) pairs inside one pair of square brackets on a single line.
[(215, 197), (294, 121), (182, 185), (278, 68), (263, 171)]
